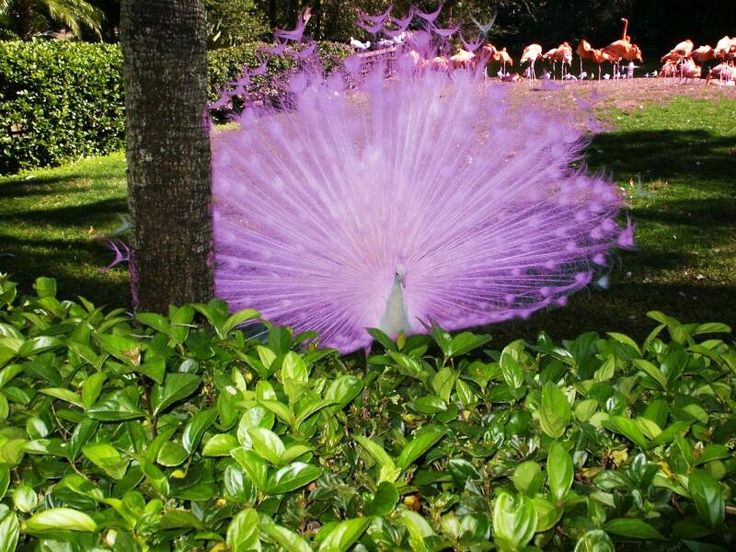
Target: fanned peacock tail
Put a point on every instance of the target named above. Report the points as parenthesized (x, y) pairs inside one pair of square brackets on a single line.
[(423, 193)]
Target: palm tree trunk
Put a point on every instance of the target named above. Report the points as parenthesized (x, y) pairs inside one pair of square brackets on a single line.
[(168, 152), (22, 12)]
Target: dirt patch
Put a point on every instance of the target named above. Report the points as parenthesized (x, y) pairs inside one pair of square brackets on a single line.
[(578, 99)]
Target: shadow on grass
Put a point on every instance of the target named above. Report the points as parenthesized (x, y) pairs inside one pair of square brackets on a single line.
[(48, 185), (697, 154), (73, 215), (623, 309)]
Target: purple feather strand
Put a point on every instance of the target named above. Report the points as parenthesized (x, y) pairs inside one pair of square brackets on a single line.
[(322, 209)]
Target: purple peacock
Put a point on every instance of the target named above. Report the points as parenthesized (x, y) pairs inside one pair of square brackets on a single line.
[(394, 203)]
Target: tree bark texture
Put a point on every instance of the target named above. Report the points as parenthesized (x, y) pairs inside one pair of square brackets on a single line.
[(168, 151)]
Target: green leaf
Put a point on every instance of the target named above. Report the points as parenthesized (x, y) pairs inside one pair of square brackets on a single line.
[(4, 480), (424, 439), (654, 372), (430, 404), (288, 540), (548, 514), (514, 521), (711, 327), (560, 472), (388, 470), (343, 390), (628, 428), (154, 366), (341, 536), (528, 478), (156, 477), (9, 531), (267, 444), (294, 375), (418, 528), (292, 477), (64, 519), (177, 386), (281, 410), (117, 406), (465, 393), (243, 531), (92, 387), (443, 382), (254, 466), (64, 395), (107, 458), (707, 494), (38, 345), (595, 541), (626, 340), (512, 373), (554, 411), (155, 321), (309, 410), (633, 528), (181, 320), (196, 428), (220, 444), (384, 500), (25, 498), (171, 454), (465, 342), (45, 287), (237, 318), (409, 366)]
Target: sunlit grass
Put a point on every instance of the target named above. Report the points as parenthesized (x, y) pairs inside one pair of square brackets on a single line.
[(47, 222)]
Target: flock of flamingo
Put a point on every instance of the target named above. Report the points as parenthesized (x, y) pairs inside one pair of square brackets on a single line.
[(682, 61)]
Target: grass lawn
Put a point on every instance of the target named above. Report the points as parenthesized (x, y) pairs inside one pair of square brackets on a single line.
[(685, 217)]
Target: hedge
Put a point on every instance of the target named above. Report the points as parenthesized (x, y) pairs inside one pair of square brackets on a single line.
[(144, 432), (64, 100), (58, 101)]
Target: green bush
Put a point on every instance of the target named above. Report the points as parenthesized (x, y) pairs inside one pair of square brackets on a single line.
[(184, 432), (231, 22), (58, 101)]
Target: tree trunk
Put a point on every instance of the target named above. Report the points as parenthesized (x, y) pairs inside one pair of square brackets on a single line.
[(167, 137)]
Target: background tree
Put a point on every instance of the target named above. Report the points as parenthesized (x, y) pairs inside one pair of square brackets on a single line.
[(168, 152), (25, 18), (231, 22)]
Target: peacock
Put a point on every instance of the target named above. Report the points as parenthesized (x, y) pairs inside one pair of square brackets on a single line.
[(398, 198)]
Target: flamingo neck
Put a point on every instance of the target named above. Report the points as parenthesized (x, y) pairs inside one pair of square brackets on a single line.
[(626, 27)]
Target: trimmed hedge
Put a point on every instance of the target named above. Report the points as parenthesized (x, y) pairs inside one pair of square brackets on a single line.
[(186, 432), (58, 101), (61, 101)]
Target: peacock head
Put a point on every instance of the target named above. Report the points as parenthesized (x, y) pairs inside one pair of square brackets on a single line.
[(400, 275)]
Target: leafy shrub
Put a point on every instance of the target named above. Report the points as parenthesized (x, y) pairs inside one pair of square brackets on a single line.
[(184, 432), (58, 101), (231, 22), (226, 65), (64, 100)]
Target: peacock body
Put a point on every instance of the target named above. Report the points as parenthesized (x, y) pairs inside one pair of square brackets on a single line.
[(392, 203)]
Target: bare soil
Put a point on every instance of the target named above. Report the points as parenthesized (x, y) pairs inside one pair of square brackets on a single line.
[(567, 98)]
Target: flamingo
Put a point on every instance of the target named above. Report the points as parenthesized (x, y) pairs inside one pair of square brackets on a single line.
[(689, 70), (531, 54), (680, 51), (504, 57), (584, 51), (600, 57), (563, 54), (723, 48), (461, 59), (485, 55), (703, 54)]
